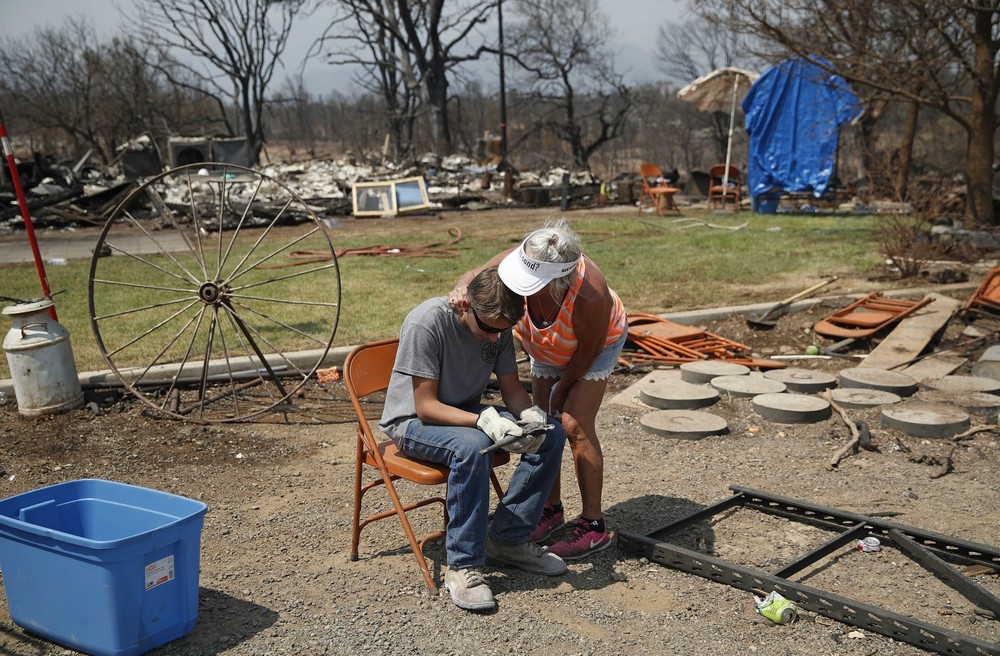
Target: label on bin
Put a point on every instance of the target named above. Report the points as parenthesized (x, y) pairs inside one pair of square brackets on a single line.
[(159, 572)]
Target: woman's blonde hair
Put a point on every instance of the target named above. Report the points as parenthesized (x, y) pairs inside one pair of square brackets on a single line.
[(555, 242)]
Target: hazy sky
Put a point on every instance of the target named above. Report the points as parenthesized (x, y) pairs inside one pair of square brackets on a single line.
[(635, 21)]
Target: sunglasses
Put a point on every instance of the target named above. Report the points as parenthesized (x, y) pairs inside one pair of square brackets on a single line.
[(486, 328)]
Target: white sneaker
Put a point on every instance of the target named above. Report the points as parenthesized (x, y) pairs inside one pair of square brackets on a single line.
[(468, 589), (527, 556)]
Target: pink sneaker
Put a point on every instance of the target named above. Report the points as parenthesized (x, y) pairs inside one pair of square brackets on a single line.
[(550, 521), (581, 542)]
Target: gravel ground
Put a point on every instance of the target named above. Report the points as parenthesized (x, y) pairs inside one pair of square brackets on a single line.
[(276, 577)]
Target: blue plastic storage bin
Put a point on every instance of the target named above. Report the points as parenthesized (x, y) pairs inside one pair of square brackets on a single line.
[(766, 203), (104, 568)]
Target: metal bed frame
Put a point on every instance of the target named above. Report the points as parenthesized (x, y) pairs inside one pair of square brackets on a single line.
[(924, 547)]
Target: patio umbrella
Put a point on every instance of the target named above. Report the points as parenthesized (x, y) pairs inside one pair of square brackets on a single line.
[(719, 91)]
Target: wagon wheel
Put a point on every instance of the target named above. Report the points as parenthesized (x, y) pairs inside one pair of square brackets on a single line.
[(199, 311)]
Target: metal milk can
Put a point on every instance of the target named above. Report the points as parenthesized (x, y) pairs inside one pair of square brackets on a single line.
[(41, 362)]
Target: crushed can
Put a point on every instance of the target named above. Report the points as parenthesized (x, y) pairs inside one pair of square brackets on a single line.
[(869, 545), (776, 608)]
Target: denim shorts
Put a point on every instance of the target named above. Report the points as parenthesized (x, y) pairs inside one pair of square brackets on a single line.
[(600, 369)]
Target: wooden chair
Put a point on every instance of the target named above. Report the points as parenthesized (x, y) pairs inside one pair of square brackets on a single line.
[(366, 373), (655, 190), (720, 192)]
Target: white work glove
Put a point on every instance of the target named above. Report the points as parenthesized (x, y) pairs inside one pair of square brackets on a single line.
[(534, 415), (500, 426), (530, 443), (496, 426)]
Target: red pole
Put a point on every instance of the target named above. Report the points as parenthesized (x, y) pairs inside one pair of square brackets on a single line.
[(22, 201)]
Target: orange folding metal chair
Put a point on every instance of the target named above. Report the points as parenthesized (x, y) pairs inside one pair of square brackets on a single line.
[(867, 316), (366, 374), (986, 299)]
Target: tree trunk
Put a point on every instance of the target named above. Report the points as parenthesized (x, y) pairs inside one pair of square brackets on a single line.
[(979, 193), (720, 130), (982, 119), (580, 160), (865, 147), (401, 138), (254, 136), (902, 176), (437, 111)]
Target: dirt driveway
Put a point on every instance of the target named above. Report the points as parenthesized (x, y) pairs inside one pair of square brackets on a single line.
[(276, 577)]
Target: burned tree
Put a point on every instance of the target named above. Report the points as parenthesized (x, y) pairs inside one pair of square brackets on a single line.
[(374, 44), (408, 51), (568, 78), (70, 87), (231, 49), (690, 49), (941, 55)]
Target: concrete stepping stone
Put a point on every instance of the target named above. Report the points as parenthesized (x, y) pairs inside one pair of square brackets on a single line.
[(988, 365), (629, 397), (703, 372), (878, 379), (862, 399), (963, 384), (683, 424), (981, 404), (803, 381), (678, 395), (921, 419), (791, 408), (747, 386)]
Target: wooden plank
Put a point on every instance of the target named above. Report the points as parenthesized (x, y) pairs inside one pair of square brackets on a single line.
[(933, 366), (912, 334)]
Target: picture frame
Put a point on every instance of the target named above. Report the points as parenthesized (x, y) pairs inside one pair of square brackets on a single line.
[(390, 197)]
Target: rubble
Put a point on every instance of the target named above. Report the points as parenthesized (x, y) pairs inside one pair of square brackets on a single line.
[(66, 197)]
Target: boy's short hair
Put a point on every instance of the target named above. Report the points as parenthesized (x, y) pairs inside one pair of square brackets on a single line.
[(491, 298)]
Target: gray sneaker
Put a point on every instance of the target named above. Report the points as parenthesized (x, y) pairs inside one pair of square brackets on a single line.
[(468, 589), (527, 556)]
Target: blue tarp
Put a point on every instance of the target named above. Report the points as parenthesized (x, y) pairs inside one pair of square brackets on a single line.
[(793, 115)]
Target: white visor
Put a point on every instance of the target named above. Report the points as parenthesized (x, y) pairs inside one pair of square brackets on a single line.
[(525, 275)]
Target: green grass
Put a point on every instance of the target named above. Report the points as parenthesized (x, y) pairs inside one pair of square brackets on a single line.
[(656, 264), (660, 265)]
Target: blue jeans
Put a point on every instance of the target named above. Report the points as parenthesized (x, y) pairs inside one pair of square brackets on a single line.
[(468, 498)]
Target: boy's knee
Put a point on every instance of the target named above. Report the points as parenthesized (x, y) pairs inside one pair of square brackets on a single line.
[(472, 443), (554, 439)]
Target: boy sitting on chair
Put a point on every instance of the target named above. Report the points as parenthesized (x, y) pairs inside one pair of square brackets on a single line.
[(433, 411)]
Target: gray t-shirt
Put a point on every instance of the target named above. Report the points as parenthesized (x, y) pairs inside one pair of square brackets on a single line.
[(433, 343)]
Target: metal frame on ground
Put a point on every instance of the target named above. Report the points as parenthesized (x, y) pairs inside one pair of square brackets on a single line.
[(924, 547)]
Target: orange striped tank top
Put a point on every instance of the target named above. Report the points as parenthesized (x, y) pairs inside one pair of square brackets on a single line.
[(555, 344)]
